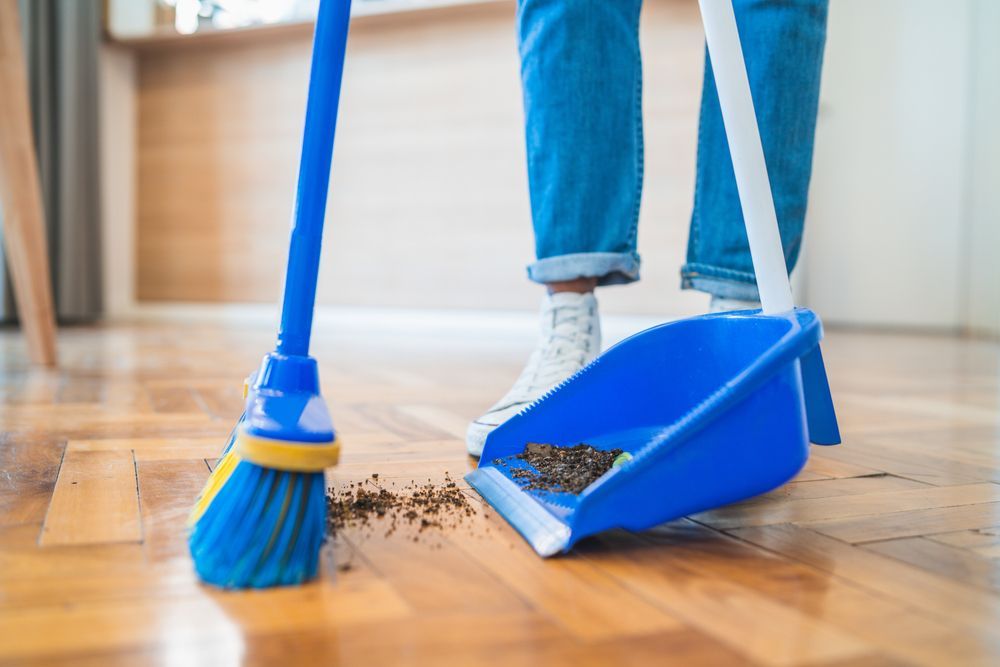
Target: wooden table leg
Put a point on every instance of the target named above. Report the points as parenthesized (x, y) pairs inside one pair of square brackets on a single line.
[(20, 196)]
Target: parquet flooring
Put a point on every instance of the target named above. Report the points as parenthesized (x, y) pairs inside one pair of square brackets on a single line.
[(884, 551)]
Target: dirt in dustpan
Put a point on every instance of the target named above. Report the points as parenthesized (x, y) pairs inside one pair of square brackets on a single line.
[(563, 469)]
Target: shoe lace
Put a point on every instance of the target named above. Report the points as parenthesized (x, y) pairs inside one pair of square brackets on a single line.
[(563, 349)]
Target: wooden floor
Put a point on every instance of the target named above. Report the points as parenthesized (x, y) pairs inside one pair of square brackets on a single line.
[(885, 550)]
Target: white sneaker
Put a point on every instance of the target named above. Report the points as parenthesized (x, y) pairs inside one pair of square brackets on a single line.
[(570, 339)]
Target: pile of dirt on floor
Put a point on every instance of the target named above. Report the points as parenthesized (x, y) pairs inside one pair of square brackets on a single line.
[(562, 469), (370, 505)]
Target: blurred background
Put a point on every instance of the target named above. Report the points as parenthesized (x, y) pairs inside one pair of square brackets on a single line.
[(177, 123)]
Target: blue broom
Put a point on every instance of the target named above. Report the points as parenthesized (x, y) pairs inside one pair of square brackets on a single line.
[(260, 519)]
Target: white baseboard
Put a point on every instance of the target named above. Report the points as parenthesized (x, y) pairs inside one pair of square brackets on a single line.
[(515, 326)]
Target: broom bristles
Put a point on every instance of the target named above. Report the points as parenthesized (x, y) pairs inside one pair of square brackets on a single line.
[(220, 473), (255, 527)]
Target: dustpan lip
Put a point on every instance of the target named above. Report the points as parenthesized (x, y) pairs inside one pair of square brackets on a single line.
[(546, 531)]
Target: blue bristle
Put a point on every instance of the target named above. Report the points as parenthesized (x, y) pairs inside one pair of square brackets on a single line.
[(264, 528)]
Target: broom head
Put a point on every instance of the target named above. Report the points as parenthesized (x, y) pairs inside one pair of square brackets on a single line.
[(260, 521)]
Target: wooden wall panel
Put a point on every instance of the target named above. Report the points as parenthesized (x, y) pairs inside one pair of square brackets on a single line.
[(429, 204)]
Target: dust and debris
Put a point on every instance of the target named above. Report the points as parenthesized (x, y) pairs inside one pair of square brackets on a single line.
[(562, 469), (367, 505)]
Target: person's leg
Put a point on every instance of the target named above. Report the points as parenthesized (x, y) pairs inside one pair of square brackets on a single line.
[(582, 84), (783, 47)]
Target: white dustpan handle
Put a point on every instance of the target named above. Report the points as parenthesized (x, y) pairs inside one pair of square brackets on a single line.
[(748, 156)]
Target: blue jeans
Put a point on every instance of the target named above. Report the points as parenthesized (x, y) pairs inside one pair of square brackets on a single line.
[(582, 80)]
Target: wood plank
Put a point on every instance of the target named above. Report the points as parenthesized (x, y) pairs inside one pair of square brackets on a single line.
[(909, 524), (404, 425), (894, 629), (582, 599), (861, 417), (923, 467), (821, 464), (361, 440), (681, 647), (827, 488), (34, 385), (135, 622), (966, 445), (124, 395), (468, 638), (154, 449), (991, 551), (449, 452), (167, 491), (806, 475), (762, 630), (447, 421), (221, 402), (397, 474), (75, 575), (95, 501), (430, 575), (83, 421), (29, 468), (948, 561), (81, 389), (23, 558), (174, 400), (882, 502), (967, 539), (924, 406), (684, 592), (951, 601)]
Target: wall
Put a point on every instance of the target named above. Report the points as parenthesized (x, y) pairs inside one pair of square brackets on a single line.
[(118, 116), (429, 204), (904, 193), (981, 306)]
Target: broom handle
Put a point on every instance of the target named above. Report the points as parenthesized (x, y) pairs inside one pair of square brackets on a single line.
[(748, 155), (329, 44)]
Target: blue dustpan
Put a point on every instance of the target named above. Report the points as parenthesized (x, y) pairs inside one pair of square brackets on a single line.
[(712, 409)]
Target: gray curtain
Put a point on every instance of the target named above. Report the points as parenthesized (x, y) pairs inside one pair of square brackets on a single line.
[(62, 39)]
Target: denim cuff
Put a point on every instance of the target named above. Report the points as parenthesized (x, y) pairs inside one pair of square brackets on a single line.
[(720, 282), (610, 268)]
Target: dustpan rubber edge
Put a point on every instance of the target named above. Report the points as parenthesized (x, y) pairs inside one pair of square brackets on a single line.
[(546, 534)]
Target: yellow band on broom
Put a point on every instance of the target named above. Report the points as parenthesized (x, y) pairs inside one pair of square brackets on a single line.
[(288, 456), (276, 454)]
